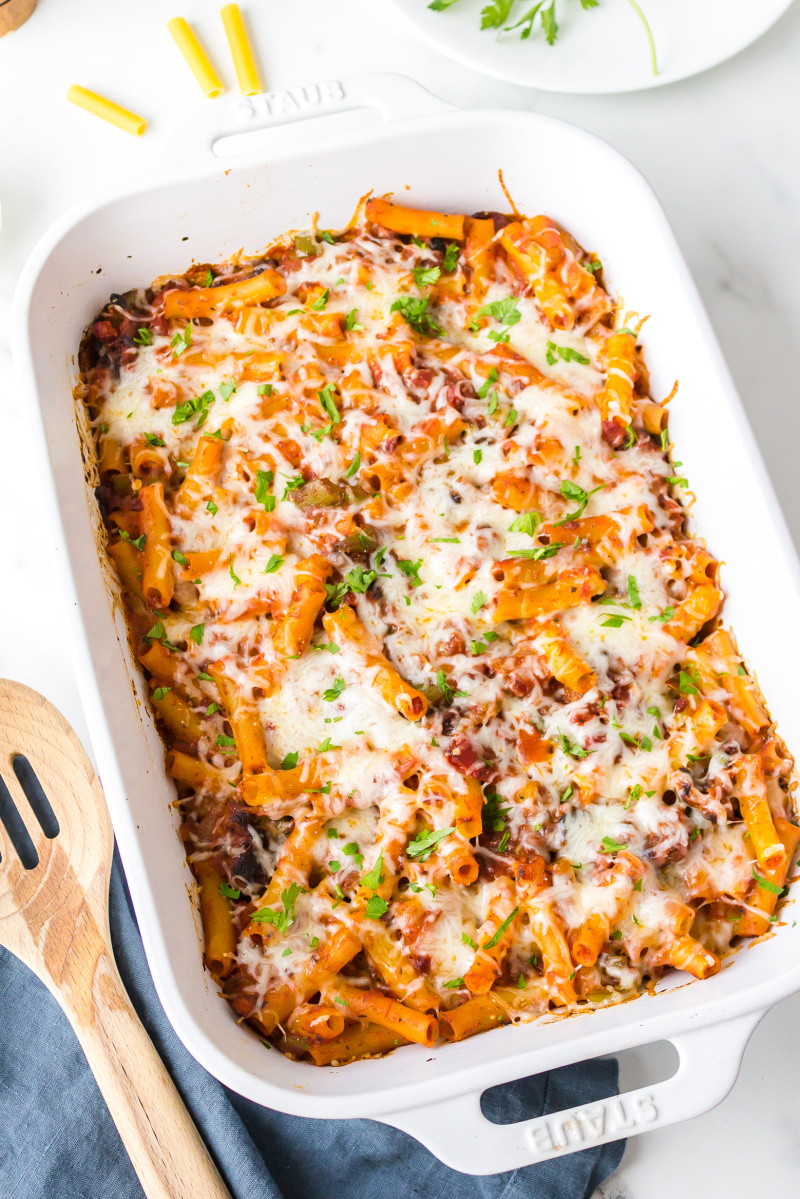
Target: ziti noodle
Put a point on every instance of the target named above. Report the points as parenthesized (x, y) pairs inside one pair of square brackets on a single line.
[(457, 734)]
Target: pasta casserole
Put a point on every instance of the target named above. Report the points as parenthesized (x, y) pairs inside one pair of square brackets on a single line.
[(458, 736)]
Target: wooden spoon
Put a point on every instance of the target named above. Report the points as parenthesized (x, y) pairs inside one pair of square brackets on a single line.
[(54, 918)]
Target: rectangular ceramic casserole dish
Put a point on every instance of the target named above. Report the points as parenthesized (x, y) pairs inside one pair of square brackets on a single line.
[(203, 207)]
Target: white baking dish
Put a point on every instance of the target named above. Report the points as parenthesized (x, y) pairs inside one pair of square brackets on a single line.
[(197, 206)]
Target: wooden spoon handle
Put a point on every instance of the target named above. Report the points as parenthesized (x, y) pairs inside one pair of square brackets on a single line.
[(166, 1150)]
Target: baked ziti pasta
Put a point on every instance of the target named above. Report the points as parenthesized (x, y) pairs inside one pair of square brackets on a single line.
[(457, 734)]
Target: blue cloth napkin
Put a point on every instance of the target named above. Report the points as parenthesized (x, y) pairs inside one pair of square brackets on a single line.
[(57, 1138)]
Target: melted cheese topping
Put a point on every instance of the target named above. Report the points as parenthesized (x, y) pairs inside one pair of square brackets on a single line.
[(445, 451)]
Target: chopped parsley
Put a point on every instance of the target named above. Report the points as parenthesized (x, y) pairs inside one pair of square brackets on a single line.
[(198, 406), (478, 601), (410, 570), (425, 276), (765, 883), (414, 310), (181, 341), (572, 748), (281, 920), (335, 691), (374, 877), (451, 256), (423, 846), (289, 763), (328, 406), (571, 491), (505, 312), (541, 552), (354, 465), (236, 580), (636, 791), (228, 891), (157, 634), (351, 322), (486, 387), (633, 592), (611, 846), (492, 814), (526, 522), (275, 562), (319, 304), (565, 353), (360, 580), (143, 336), (448, 694), (495, 940), (376, 907), (160, 692), (293, 483), (353, 850), (264, 480)]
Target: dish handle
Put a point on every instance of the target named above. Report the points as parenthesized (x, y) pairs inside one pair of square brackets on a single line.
[(395, 97), (457, 1132)]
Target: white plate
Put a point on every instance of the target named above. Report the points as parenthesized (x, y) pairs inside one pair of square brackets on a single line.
[(604, 49)]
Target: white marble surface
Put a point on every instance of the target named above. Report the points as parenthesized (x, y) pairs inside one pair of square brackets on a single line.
[(720, 151)]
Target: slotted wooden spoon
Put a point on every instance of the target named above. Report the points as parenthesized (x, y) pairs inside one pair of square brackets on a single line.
[(54, 917)]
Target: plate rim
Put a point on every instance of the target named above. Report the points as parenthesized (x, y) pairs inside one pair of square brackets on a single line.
[(404, 8)]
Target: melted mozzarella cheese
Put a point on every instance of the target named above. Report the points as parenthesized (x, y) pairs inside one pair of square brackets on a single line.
[(429, 442)]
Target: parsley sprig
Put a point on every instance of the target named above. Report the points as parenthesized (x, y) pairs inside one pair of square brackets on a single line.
[(496, 13)]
